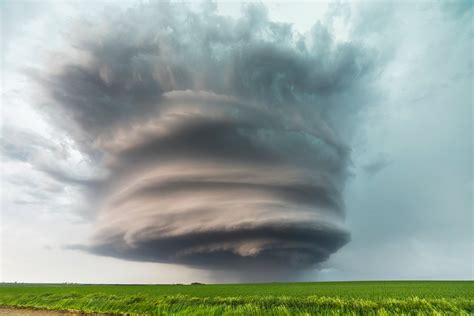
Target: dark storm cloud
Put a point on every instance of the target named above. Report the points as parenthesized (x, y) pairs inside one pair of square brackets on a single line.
[(220, 136), (297, 245), (133, 57)]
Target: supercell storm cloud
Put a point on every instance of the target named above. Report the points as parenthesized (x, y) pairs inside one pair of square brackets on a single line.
[(223, 140)]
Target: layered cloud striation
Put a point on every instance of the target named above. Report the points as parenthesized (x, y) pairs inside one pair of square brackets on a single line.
[(223, 140)]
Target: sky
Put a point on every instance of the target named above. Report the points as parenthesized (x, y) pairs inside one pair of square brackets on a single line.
[(155, 142)]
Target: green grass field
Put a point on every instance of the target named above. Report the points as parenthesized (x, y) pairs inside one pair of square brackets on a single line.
[(328, 298)]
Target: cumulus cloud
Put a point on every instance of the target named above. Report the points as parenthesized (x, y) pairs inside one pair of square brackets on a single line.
[(223, 140)]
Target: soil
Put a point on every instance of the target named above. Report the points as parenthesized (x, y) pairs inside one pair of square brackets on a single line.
[(4, 311)]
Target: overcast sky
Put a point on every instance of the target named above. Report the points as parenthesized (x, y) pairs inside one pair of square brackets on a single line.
[(173, 143)]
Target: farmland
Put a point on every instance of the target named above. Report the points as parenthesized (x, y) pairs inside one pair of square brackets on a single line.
[(351, 298)]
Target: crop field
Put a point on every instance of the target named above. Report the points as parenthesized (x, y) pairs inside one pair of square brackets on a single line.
[(328, 298)]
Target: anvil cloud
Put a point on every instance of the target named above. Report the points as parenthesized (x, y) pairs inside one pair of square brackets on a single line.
[(222, 140)]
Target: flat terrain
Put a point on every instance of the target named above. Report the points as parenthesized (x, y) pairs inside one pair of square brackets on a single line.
[(9, 311), (354, 298)]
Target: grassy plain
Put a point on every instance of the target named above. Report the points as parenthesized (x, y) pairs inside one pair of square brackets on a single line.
[(328, 298)]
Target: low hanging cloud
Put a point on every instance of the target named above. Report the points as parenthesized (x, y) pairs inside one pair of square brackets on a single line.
[(222, 139)]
